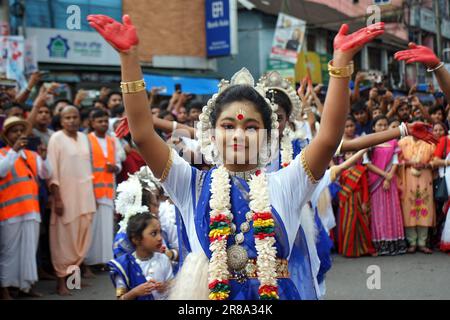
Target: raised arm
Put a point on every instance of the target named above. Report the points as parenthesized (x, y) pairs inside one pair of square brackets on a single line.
[(419, 130), (427, 57), (123, 38), (337, 170), (319, 153)]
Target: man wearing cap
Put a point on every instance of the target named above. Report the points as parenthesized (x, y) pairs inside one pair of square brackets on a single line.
[(19, 208)]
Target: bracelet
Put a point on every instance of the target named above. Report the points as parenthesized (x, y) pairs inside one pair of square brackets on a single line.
[(132, 86), (174, 254), (174, 126), (343, 72), (403, 130), (440, 65)]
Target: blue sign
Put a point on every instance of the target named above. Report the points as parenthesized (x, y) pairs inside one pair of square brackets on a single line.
[(218, 39)]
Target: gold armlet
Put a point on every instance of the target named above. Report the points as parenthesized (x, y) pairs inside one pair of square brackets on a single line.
[(342, 72), (132, 86)]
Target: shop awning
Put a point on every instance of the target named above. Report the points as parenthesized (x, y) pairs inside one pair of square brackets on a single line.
[(193, 85)]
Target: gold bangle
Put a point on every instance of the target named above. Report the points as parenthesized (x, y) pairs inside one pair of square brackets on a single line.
[(343, 72), (132, 86), (120, 292), (306, 167), (167, 168)]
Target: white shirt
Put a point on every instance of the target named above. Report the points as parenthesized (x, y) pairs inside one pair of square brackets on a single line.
[(157, 268), (289, 189), (168, 223)]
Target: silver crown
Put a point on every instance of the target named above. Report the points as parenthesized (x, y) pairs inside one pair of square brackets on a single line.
[(204, 126), (274, 80)]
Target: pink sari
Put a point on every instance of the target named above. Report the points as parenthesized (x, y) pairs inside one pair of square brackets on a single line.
[(386, 219)]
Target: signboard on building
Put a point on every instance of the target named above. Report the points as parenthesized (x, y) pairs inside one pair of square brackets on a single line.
[(218, 28), (445, 28), (427, 20), (72, 47), (285, 69), (288, 39), (12, 64)]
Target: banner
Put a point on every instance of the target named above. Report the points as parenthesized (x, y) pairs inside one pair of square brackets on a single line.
[(218, 26), (72, 47), (12, 59), (31, 64), (288, 39)]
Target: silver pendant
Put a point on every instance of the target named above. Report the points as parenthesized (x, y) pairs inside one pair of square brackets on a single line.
[(249, 216), (233, 228), (237, 258), (245, 227), (239, 238)]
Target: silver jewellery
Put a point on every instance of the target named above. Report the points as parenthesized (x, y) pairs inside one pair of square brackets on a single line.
[(403, 130), (274, 81), (236, 254), (204, 126), (246, 175), (440, 65)]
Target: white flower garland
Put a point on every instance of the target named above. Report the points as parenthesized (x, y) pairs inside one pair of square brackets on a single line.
[(220, 204), (287, 150), (259, 203), (267, 252)]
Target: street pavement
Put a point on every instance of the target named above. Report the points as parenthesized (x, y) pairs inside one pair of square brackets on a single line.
[(410, 276)]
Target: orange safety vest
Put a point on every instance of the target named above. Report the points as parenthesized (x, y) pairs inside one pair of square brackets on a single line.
[(19, 190), (103, 180)]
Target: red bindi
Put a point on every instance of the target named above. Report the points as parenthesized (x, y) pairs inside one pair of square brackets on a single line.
[(240, 117)]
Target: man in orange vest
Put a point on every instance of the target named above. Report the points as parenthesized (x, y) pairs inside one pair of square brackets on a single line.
[(105, 159), (19, 208)]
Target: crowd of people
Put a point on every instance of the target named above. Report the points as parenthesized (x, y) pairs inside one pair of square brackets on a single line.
[(64, 166)]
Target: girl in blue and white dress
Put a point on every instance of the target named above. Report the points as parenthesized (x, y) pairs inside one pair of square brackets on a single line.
[(242, 226)]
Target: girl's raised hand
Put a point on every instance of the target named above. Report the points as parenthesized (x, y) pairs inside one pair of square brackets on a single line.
[(420, 54), (349, 44), (122, 36)]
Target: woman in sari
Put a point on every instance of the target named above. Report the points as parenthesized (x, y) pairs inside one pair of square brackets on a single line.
[(354, 238), (417, 192), (386, 218)]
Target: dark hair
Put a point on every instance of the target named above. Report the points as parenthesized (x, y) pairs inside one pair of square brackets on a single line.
[(198, 105), (99, 101), (164, 113), (137, 224), (418, 119), (237, 93), (163, 105), (86, 113), (281, 99), (441, 124), (117, 111), (61, 100), (435, 109), (11, 105), (111, 94), (358, 106), (393, 119), (351, 118), (98, 113), (378, 118)]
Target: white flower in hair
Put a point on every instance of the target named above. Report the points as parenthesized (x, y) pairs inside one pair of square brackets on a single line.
[(129, 200)]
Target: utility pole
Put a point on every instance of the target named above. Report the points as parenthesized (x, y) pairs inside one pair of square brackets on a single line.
[(437, 14)]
